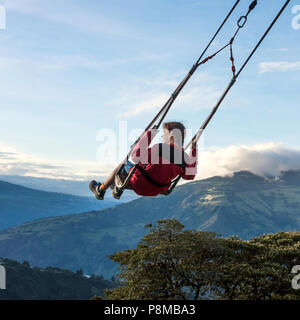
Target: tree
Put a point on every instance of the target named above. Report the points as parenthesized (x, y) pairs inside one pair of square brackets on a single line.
[(168, 263), (173, 263)]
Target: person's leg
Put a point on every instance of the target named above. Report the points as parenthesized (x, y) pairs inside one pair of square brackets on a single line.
[(110, 181), (117, 193), (99, 189), (111, 178)]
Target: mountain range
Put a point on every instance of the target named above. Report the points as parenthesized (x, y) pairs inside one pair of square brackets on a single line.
[(73, 187), (244, 205), (19, 204)]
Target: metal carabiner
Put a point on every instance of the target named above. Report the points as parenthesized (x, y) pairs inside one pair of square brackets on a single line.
[(239, 22)]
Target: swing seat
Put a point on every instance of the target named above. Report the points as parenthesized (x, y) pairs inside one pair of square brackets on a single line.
[(122, 181)]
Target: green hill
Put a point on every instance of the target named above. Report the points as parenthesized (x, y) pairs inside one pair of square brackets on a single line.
[(33, 283), (245, 205), (20, 204)]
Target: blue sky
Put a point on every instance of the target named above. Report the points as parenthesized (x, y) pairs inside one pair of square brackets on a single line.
[(72, 68)]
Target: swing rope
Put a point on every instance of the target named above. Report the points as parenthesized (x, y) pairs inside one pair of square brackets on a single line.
[(241, 23), (165, 109), (235, 76)]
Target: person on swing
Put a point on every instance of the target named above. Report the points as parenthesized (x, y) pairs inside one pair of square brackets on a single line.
[(157, 166)]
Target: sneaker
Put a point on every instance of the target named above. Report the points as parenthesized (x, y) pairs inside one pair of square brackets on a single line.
[(97, 191), (116, 193)]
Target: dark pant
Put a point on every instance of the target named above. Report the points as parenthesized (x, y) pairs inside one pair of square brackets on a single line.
[(110, 181)]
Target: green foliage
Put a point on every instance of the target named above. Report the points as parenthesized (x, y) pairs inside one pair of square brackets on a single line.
[(34, 283), (172, 263)]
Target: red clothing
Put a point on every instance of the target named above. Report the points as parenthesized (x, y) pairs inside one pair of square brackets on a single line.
[(158, 167)]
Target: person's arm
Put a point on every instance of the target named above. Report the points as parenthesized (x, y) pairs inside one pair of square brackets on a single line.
[(141, 153), (191, 168)]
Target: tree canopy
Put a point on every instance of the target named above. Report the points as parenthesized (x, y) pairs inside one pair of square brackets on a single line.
[(172, 263)]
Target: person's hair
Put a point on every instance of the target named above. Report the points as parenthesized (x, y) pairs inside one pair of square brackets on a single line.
[(178, 130)]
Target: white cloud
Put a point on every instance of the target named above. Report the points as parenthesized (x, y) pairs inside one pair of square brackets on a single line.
[(147, 103), (80, 61), (145, 95), (279, 66), (70, 15), (261, 159), (64, 62), (277, 49), (13, 162), (23, 6), (10, 62)]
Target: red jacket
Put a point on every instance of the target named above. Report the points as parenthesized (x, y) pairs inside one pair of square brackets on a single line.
[(159, 167)]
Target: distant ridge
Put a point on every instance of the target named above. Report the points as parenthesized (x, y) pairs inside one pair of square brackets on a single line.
[(245, 205), (20, 204), (72, 187)]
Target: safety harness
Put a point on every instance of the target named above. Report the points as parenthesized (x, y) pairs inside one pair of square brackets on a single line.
[(171, 155)]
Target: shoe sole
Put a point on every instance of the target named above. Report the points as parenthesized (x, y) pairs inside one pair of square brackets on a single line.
[(116, 195)]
